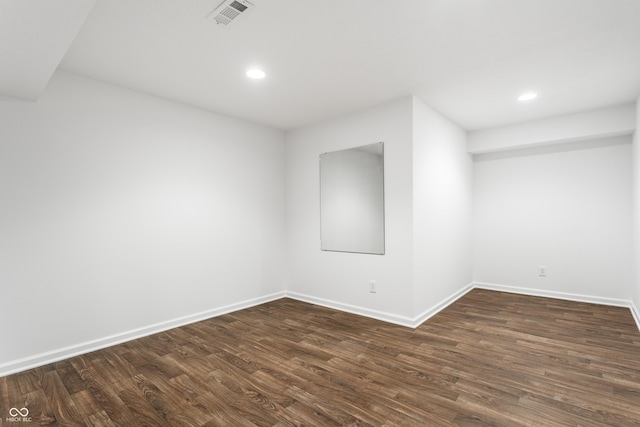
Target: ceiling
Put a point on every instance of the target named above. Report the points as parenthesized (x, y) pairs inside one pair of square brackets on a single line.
[(34, 36), (468, 59)]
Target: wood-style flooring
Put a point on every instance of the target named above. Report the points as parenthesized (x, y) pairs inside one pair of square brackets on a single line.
[(489, 359)]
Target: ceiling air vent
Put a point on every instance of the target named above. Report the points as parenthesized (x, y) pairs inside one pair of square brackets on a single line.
[(229, 11)]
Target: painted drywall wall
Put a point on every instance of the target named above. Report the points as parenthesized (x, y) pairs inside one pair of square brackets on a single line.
[(342, 279), (587, 125), (120, 210), (566, 210), (636, 214), (442, 208)]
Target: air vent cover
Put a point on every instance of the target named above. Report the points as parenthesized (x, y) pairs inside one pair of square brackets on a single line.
[(229, 11)]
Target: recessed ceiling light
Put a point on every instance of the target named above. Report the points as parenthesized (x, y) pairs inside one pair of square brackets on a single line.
[(256, 74), (527, 96)]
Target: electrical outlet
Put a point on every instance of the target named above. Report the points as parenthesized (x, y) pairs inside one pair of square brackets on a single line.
[(372, 286), (542, 271)]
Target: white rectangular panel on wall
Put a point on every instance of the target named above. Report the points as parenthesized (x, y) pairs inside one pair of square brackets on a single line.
[(352, 200)]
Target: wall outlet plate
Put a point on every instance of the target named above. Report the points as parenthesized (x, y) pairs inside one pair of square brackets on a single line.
[(542, 271)]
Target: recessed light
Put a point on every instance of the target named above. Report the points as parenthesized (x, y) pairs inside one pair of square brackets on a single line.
[(256, 74), (527, 96)]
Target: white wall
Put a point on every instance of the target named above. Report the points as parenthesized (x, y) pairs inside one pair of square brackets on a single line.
[(119, 211), (567, 210), (636, 214), (122, 213), (342, 279), (442, 208)]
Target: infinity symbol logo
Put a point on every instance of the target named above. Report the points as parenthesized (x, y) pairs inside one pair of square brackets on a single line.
[(14, 412)]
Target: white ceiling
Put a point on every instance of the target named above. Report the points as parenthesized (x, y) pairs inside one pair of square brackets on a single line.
[(469, 59), (34, 36)]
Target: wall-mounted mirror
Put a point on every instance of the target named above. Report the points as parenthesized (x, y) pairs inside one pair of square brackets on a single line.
[(352, 200)]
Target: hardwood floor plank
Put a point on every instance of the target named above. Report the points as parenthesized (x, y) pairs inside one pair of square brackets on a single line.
[(37, 402), (70, 378), (146, 409), (100, 419), (337, 416), (223, 411), (63, 408), (85, 404), (489, 359), (103, 394)]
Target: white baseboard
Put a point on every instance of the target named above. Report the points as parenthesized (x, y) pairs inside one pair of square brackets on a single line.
[(361, 311), (553, 294), (89, 346), (397, 319), (45, 358), (566, 296), (426, 315), (636, 314)]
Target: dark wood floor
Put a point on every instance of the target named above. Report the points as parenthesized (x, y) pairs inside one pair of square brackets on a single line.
[(489, 359)]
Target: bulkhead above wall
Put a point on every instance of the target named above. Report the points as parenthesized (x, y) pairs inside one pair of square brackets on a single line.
[(605, 123)]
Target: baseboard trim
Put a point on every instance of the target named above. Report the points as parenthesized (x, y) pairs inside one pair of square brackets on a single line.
[(565, 296), (381, 315), (636, 314), (426, 315), (553, 294), (46, 358), (348, 308)]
